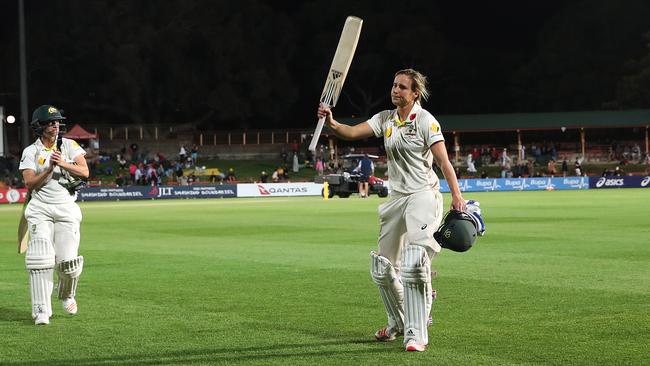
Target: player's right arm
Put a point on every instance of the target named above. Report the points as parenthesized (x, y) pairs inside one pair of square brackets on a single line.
[(343, 131), (28, 169), (34, 181)]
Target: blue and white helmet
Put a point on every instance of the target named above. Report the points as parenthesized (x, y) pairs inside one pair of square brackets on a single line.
[(474, 211)]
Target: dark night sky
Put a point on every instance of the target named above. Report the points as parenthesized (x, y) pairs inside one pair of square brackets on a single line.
[(257, 63)]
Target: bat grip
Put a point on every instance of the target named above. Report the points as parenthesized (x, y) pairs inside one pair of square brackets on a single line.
[(314, 139)]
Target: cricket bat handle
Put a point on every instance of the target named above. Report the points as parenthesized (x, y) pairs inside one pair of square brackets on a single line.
[(314, 139)]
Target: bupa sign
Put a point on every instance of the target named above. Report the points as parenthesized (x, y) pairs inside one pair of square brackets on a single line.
[(619, 182)]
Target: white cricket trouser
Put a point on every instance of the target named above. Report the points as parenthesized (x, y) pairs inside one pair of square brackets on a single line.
[(412, 218), (60, 223)]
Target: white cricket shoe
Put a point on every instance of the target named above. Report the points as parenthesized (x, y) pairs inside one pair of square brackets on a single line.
[(41, 319), (413, 346), (70, 305), (386, 334)]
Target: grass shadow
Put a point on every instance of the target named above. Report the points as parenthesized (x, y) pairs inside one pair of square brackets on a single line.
[(225, 355)]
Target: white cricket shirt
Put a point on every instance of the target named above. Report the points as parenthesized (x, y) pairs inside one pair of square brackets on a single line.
[(408, 151), (37, 158)]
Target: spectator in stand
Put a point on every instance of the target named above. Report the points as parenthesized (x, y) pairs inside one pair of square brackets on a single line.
[(283, 156), (471, 168), (565, 167), (296, 165), (178, 170), (120, 181), (506, 163), (636, 152), (578, 167), (192, 179), (531, 167), (140, 175), (618, 172), (494, 155), (121, 161), (182, 154), (151, 176), (264, 177), (550, 168), (484, 174), (553, 152), (195, 154), (319, 166), (285, 174), (647, 159), (132, 170), (275, 177), (134, 152), (475, 154), (280, 172), (231, 177)]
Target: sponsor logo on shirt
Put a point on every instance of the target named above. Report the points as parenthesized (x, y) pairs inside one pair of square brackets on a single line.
[(389, 131)]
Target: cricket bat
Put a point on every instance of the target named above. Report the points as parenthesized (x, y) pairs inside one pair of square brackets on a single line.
[(23, 233), (339, 70)]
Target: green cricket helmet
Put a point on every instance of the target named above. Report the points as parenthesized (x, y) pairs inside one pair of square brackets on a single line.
[(43, 115), (458, 231)]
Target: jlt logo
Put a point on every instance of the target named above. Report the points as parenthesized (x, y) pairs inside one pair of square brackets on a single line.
[(164, 191)]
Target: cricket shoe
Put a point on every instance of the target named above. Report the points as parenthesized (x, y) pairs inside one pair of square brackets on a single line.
[(41, 319), (413, 346), (70, 305), (386, 334)]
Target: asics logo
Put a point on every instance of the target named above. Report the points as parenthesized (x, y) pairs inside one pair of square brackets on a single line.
[(612, 182), (645, 181)]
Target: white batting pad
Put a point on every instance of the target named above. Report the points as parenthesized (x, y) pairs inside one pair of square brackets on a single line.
[(69, 272), (40, 253), (390, 289), (41, 285), (416, 274)]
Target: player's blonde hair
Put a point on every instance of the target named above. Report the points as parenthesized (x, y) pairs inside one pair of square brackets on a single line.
[(419, 84)]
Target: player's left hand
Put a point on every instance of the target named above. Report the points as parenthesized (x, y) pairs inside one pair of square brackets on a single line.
[(458, 203), (55, 158)]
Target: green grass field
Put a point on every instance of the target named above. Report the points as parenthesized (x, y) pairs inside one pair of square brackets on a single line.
[(561, 278)]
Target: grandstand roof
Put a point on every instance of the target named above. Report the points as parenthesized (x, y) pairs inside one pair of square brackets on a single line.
[(539, 121)]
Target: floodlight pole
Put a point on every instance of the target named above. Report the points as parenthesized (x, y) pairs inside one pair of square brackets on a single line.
[(647, 151), (519, 151), (24, 126), (3, 140), (456, 147), (582, 141)]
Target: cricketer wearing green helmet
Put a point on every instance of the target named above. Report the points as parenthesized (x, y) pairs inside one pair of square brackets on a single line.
[(43, 115)]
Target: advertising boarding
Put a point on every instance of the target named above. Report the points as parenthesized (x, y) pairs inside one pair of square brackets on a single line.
[(619, 182), (279, 189), (518, 184), (156, 192)]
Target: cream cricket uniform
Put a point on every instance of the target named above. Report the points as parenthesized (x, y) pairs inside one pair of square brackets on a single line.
[(414, 210), (52, 215)]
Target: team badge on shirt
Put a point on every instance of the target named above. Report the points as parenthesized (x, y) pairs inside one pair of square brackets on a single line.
[(41, 160), (435, 128), (389, 131)]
